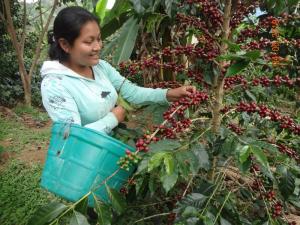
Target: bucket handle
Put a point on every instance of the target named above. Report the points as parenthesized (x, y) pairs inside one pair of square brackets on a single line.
[(66, 133)]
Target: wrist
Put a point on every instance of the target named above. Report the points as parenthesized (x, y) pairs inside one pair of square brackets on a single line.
[(170, 95)]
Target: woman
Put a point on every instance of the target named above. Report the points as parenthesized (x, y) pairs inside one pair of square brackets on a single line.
[(80, 88)]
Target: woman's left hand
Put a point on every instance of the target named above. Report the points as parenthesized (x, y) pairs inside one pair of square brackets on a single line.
[(177, 93)]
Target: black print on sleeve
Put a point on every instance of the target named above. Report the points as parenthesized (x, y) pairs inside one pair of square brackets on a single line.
[(104, 93), (56, 101)]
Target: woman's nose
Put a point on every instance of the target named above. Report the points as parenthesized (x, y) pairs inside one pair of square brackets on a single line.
[(97, 46)]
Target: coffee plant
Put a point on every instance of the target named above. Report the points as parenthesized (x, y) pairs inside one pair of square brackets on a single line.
[(228, 153)]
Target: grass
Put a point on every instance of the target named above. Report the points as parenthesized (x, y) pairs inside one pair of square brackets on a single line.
[(20, 192), (35, 113), (22, 137)]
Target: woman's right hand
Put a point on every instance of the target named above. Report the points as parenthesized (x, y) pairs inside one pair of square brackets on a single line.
[(119, 112)]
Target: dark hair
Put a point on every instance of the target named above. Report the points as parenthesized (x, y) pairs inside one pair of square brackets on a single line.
[(67, 25)]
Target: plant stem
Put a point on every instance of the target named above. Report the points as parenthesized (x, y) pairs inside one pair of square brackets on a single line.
[(71, 207), (219, 183), (227, 197), (153, 216)]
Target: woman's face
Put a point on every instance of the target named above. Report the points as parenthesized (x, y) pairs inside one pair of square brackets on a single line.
[(86, 48)]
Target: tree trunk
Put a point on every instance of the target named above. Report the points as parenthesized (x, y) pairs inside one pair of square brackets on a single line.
[(218, 85), (19, 45), (219, 80), (26, 82)]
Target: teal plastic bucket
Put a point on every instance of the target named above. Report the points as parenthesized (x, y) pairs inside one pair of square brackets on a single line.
[(79, 159)]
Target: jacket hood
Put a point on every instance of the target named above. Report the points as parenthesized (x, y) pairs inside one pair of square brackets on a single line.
[(56, 68)]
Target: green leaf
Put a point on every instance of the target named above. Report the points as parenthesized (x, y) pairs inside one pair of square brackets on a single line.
[(250, 95), (126, 41), (155, 112), (244, 154), (113, 26), (82, 205), (241, 55), (117, 200), (169, 163), (279, 7), (103, 211), (196, 200), (230, 57), (156, 160), (260, 156), (201, 156), (47, 213), (153, 21), (121, 8), (169, 181), (287, 183), (109, 47), (232, 46), (124, 103), (143, 165), (224, 222), (152, 184), (189, 211), (78, 219), (209, 218), (138, 6), (185, 163), (252, 55), (101, 8), (237, 67), (164, 145), (264, 145), (168, 4)]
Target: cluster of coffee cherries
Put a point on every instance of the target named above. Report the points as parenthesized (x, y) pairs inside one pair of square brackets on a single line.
[(196, 76), (164, 84), (130, 182), (277, 209), (289, 151), (186, 21), (235, 128), (130, 159), (190, 21), (247, 33), (175, 115), (277, 81), (142, 143), (208, 52), (225, 109), (267, 22), (230, 82), (268, 195), (175, 126), (285, 121), (171, 218), (129, 68), (210, 10), (241, 12), (257, 44)]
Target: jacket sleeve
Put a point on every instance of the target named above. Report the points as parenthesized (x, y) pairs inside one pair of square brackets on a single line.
[(133, 93), (62, 107)]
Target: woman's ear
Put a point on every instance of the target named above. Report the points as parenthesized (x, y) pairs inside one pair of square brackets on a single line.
[(64, 44)]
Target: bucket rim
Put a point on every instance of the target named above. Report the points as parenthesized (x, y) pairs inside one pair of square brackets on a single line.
[(59, 123)]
